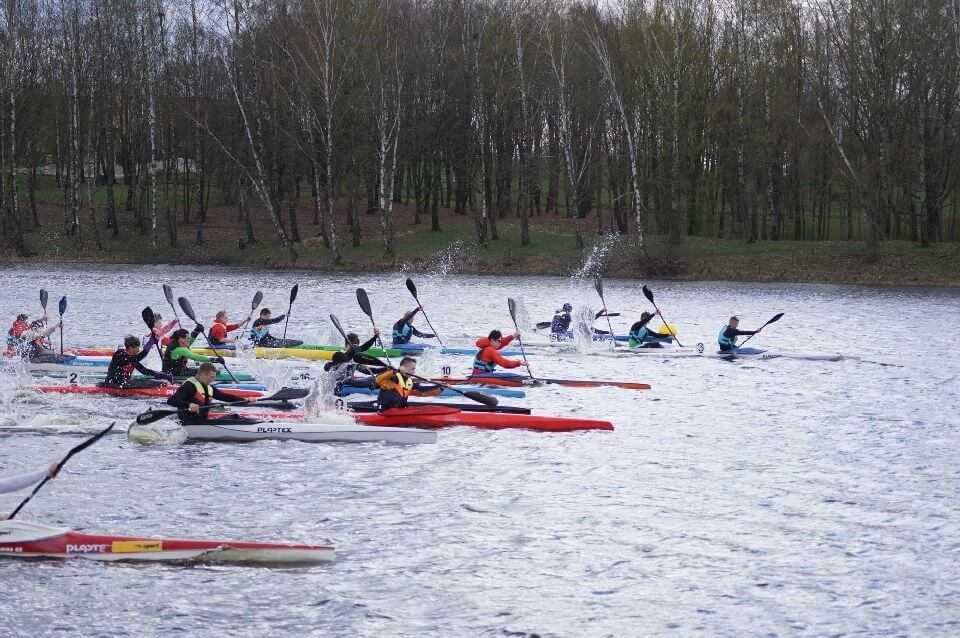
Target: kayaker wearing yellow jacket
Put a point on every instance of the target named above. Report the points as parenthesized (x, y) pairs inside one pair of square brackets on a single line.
[(397, 386)]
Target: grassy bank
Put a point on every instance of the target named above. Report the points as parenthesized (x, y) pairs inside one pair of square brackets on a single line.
[(558, 247)]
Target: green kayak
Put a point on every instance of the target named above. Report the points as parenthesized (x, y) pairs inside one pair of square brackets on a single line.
[(372, 352)]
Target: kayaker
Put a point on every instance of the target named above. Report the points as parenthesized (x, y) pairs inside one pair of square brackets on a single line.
[(220, 329), (727, 339), (127, 359), (198, 391), (560, 326), (260, 333), (177, 354), (20, 481), (403, 330), (346, 364), (643, 337), (29, 339), (489, 356), (161, 330), (397, 386)]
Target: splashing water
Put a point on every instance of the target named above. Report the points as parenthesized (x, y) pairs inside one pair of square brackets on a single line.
[(593, 264), (523, 317), (445, 261)]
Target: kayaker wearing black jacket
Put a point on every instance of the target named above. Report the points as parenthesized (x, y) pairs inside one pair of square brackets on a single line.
[(260, 333), (729, 333), (560, 326), (403, 330), (346, 364), (643, 337), (127, 359), (198, 391), (397, 386)]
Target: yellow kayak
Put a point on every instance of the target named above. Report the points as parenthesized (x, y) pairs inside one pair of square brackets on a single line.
[(273, 353)]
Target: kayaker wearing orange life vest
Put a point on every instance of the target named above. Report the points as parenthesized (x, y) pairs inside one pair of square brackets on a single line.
[(198, 391), (29, 339), (397, 386), (489, 356), (220, 328)]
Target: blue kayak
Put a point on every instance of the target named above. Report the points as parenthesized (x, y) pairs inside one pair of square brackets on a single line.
[(474, 351), (500, 392), (241, 386)]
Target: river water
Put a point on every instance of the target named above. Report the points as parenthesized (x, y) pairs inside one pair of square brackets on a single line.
[(754, 498)]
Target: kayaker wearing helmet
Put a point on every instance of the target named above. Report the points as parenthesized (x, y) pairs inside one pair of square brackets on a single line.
[(727, 339), (177, 354), (397, 386), (20, 481), (403, 330), (260, 333), (489, 356), (220, 328), (29, 339), (643, 337), (560, 326), (198, 391), (127, 359)]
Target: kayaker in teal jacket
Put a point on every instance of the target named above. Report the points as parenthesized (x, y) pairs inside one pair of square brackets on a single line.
[(403, 330), (727, 339), (643, 337)]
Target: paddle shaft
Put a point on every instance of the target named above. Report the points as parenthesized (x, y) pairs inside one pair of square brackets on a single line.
[(776, 318), (665, 322)]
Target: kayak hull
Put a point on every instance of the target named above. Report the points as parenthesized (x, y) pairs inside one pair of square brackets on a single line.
[(162, 391), (349, 390), (22, 539), (516, 381), (306, 432), (441, 417)]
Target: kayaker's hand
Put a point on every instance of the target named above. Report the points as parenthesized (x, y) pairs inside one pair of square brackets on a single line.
[(516, 335), (195, 408), (216, 360), (166, 377), (376, 332), (53, 470)]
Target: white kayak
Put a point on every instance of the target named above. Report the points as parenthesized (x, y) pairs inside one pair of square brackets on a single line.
[(309, 432), (24, 539)]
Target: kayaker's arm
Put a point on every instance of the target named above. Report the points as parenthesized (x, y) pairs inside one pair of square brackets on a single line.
[(145, 351), (226, 397), (422, 335), (268, 322), (142, 369), (183, 397), (189, 354), (426, 390), (369, 343), (20, 481)]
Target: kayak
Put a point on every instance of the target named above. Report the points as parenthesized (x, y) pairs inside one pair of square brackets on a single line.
[(371, 406), (373, 352), (743, 353), (222, 429), (162, 391), (474, 351), (268, 353), (441, 417), (67, 363), (515, 380), (500, 392), (23, 539)]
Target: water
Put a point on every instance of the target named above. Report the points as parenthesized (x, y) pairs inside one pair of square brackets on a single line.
[(781, 497)]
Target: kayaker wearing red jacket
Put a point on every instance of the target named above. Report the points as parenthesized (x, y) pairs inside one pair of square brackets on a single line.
[(397, 386), (198, 391), (220, 328), (489, 356)]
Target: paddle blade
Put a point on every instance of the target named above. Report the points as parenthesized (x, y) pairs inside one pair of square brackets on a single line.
[(287, 394), (294, 292), (512, 306), (44, 296), (257, 300), (648, 294), (412, 288), (168, 293), (63, 306), (598, 284), (479, 397), (776, 318), (364, 302), (152, 416), (187, 308), (148, 317), (336, 324), (544, 324)]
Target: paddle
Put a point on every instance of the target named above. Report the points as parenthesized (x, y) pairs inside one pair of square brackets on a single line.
[(293, 297), (364, 302), (80, 448), (188, 310), (150, 319), (649, 295), (285, 394), (43, 300), (413, 291), (479, 397), (62, 307), (775, 319), (598, 285), (512, 306)]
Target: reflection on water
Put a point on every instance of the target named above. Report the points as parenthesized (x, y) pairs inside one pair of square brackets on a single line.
[(748, 498)]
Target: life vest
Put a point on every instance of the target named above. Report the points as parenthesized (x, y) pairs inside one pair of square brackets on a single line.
[(403, 334), (641, 335), (726, 343), (479, 365), (257, 333), (404, 385), (18, 328), (202, 393)]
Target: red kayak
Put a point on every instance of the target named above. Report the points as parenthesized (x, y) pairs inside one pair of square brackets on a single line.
[(439, 417), (162, 391), (518, 382), (443, 417)]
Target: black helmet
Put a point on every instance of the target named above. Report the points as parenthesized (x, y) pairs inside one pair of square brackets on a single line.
[(131, 342), (179, 334), (567, 307), (646, 316)]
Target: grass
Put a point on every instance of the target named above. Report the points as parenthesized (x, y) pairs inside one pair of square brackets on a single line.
[(554, 248)]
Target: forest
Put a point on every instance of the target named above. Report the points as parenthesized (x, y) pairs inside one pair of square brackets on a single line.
[(742, 120)]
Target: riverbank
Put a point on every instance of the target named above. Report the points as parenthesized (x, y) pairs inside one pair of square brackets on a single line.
[(559, 247)]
